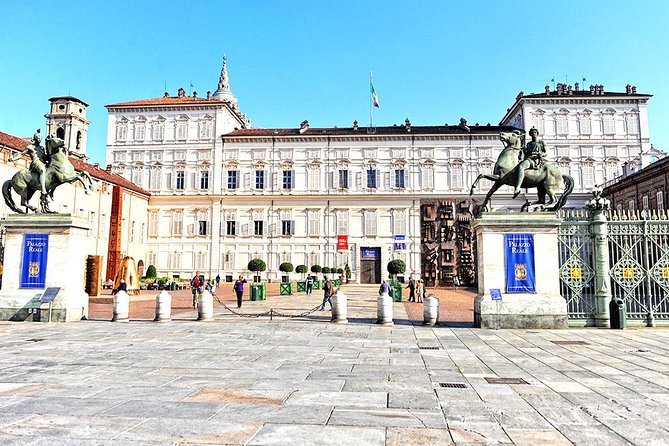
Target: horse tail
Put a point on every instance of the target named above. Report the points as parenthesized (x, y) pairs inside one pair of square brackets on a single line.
[(569, 187), (7, 194)]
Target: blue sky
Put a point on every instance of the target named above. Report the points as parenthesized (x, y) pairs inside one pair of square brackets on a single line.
[(433, 61)]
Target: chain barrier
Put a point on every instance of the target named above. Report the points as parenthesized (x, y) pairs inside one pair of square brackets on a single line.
[(271, 312)]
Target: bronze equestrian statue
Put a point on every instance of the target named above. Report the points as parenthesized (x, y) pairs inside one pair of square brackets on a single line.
[(49, 168), (530, 171)]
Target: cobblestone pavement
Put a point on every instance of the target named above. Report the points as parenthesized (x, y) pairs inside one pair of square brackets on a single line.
[(307, 381)]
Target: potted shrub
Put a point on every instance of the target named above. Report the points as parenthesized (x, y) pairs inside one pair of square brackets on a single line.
[(257, 289), (396, 267), (286, 288), (301, 284), (326, 270), (151, 272)]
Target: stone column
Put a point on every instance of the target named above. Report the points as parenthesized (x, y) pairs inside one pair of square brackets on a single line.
[(599, 208)]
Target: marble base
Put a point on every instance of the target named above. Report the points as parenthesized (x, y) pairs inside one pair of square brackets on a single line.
[(544, 309), (66, 265)]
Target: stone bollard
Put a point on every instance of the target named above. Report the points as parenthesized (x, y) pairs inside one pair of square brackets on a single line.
[(163, 307), (121, 307), (339, 307), (384, 311), (431, 310), (205, 307)]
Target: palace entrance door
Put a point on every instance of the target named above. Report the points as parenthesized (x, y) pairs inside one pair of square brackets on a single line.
[(370, 265)]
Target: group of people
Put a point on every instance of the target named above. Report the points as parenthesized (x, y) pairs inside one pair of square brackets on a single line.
[(416, 290), (198, 285)]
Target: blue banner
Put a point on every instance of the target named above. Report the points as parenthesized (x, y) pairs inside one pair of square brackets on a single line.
[(519, 254), (33, 268)]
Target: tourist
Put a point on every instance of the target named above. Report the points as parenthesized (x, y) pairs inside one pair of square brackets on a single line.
[(310, 284), (239, 289), (196, 287), (328, 291), (218, 280), (412, 290), (420, 290)]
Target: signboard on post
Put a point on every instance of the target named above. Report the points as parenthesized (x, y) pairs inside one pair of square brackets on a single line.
[(519, 254), (35, 253)]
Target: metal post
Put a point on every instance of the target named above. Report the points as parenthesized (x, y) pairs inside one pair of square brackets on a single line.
[(650, 317), (599, 207)]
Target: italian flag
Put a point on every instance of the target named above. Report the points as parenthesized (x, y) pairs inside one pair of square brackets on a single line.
[(375, 98)]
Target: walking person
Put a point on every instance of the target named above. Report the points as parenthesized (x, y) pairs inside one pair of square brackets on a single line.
[(412, 290), (239, 289), (218, 280), (420, 290), (310, 284), (328, 291), (196, 287)]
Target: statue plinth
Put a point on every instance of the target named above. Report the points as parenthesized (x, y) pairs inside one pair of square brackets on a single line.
[(542, 308), (65, 268)]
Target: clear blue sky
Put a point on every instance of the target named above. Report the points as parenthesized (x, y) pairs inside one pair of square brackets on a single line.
[(433, 61)]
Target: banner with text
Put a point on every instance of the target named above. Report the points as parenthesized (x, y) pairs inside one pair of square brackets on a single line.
[(35, 252), (519, 254), (342, 242)]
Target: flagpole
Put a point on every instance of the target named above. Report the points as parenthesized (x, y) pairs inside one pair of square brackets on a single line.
[(371, 118)]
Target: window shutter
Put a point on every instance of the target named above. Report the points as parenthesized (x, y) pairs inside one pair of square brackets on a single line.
[(358, 180), (331, 180), (292, 227), (376, 179), (193, 180), (191, 229), (247, 181), (245, 229), (275, 180), (421, 178), (405, 174), (386, 180), (292, 179)]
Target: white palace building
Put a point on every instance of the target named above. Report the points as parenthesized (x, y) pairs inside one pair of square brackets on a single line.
[(223, 192)]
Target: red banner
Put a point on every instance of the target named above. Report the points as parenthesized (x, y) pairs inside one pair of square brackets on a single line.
[(342, 242)]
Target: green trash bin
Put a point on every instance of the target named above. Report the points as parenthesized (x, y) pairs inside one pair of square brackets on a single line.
[(617, 313), (255, 292), (396, 289), (263, 291)]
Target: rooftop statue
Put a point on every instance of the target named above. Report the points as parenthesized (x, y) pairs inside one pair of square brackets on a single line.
[(523, 166), (49, 168)]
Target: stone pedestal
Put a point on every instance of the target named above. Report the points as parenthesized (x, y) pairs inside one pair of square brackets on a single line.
[(544, 309), (66, 266)]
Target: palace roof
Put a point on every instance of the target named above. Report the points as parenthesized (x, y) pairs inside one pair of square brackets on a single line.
[(169, 100), (375, 131)]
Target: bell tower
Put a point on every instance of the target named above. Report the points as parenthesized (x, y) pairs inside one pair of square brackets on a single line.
[(67, 120)]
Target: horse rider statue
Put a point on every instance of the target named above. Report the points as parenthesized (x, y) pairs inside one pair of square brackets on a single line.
[(534, 154), (39, 159), (525, 166)]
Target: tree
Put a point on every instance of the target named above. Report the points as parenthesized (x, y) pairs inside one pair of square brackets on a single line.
[(301, 269), (326, 270), (316, 269), (286, 267), (151, 272), (257, 265), (396, 267)]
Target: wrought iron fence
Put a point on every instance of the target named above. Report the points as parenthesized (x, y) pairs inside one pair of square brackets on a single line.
[(638, 266)]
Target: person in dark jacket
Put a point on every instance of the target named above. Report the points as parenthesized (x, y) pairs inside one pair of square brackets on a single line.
[(239, 289)]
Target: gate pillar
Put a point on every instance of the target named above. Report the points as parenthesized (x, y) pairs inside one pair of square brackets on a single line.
[(599, 208)]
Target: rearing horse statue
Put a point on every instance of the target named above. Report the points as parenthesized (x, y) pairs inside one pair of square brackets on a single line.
[(26, 182), (548, 179)]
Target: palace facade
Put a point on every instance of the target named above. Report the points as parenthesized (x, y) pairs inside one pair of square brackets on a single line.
[(223, 193)]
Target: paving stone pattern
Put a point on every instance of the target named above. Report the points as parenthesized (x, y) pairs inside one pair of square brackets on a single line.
[(307, 381)]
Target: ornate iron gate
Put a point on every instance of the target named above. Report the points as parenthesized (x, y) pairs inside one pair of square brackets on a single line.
[(577, 272), (639, 262)]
